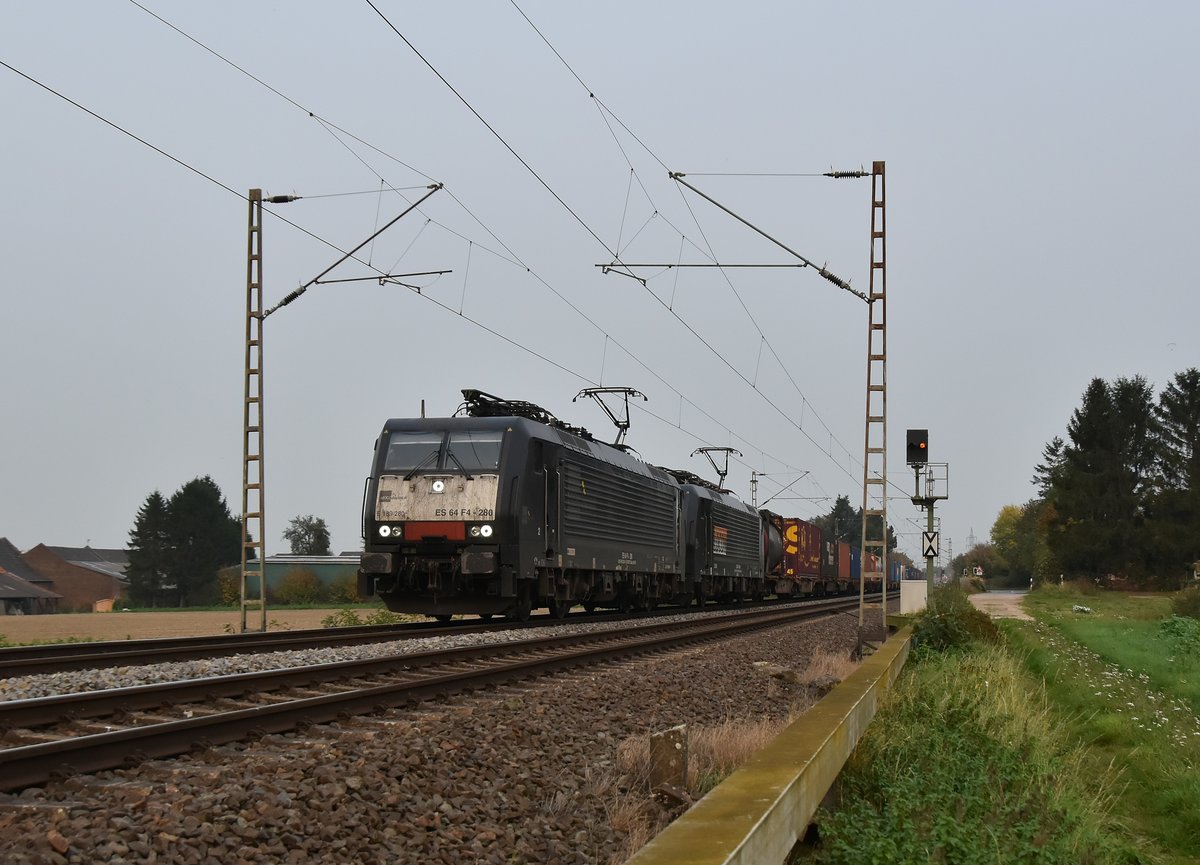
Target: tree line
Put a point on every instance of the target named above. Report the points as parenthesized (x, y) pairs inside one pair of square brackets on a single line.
[(1119, 496), (845, 523), (177, 546), (182, 547)]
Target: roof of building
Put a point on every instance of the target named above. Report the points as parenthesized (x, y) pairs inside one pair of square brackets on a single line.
[(11, 561), (293, 559), (111, 563), (12, 586)]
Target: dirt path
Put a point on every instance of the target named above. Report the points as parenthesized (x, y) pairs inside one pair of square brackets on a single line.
[(135, 626), (1001, 605)]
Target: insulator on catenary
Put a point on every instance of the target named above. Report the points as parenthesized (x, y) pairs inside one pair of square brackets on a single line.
[(282, 199), (841, 174), (835, 279)]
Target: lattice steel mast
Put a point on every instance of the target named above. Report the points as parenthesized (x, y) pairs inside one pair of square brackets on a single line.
[(253, 574), (875, 432)]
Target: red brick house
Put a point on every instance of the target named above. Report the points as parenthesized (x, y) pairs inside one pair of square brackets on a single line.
[(81, 575)]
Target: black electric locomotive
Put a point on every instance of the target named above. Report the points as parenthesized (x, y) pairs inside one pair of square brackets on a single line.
[(508, 509)]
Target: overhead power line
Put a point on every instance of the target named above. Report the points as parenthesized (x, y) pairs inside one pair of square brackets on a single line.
[(305, 231), (512, 259), (626, 270)]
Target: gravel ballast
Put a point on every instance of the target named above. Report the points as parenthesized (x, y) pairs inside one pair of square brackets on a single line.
[(520, 774)]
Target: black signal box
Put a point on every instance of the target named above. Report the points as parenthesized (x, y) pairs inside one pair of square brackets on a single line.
[(918, 446)]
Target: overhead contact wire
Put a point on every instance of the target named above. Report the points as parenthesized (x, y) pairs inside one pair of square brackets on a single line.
[(741, 301), (329, 125)]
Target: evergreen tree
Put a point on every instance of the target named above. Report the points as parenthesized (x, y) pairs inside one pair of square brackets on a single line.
[(844, 523), (1173, 515), (1046, 473), (1178, 415), (204, 538), (1100, 480), (839, 523), (149, 553), (308, 536)]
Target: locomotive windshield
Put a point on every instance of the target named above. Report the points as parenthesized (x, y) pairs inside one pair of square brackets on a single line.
[(475, 450), (408, 450), (466, 451)]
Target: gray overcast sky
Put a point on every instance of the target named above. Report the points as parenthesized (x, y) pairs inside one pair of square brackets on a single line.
[(1041, 229)]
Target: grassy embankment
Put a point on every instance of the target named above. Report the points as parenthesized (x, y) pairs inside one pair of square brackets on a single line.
[(1070, 739), (1127, 675)]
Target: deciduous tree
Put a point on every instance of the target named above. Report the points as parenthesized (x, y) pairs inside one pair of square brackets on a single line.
[(308, 536), (1005, 540)]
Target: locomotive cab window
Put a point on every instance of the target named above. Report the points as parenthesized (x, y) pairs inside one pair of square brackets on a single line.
[(408, 451), (474, 451)]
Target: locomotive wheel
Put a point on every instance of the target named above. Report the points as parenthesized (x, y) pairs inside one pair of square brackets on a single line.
[(589, 606), (444, 618)]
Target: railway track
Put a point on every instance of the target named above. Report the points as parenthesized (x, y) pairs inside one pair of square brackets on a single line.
[(60, 657), (86, 732)]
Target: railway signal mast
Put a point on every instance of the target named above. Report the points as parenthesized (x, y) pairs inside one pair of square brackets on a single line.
[(931, 482)]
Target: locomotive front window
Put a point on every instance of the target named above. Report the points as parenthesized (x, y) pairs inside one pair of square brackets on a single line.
[(474, 450), (410, 450)]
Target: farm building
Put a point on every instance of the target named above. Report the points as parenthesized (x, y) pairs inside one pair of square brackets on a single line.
[(23, 591), (87, 579)]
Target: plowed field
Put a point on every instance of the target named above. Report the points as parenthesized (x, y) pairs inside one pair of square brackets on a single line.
[(135, 626)]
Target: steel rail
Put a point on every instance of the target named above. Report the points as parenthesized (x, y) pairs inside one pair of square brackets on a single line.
[(28, 765), (61, 657)]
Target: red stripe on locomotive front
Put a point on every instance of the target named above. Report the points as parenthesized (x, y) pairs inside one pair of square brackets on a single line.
[(431, 531)]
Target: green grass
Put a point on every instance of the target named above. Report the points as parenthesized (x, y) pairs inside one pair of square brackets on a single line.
[(1074, 738), (969, 764), (1125, 631), (1130, 694)]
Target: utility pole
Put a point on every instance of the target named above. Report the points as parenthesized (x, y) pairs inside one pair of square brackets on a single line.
[(254, 568), (875, 427), (253, 576), (875, 444)]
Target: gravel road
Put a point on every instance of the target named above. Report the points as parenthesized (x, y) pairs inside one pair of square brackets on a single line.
[(1002, 605)]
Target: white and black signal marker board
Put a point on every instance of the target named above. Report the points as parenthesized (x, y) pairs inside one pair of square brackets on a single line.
[(929, 543)]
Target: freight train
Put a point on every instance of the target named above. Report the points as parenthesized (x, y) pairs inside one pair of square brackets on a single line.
[(505, 509)]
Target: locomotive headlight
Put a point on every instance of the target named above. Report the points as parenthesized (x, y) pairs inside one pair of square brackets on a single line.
[(474, 531), (485, 530), (385, 531), (439, 486)]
